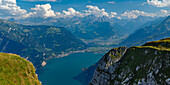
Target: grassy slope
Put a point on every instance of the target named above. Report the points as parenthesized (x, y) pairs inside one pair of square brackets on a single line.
[(15, 70)]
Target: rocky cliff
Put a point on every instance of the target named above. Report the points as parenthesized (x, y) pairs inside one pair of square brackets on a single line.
[(147, 64)]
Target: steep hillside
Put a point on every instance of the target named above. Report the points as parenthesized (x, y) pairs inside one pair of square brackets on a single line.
[(36, 43), (15, 70), (152, 32), (146, 64)]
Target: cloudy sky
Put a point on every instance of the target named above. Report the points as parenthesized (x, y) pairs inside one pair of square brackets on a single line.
[(80, 8)]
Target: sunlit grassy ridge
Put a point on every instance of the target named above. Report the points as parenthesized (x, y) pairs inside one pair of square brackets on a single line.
[(163, 44), (15, 70)]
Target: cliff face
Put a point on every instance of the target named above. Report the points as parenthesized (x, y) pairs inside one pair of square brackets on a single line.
[(106, 66), (15, 70), (147, 64)]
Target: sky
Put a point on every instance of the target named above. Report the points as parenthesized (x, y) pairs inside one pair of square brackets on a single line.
[(21, 9)]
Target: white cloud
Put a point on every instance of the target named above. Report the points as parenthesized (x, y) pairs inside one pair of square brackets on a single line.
[(144, 3), (69, 13), (49, 0), (163, 13), (43, 11), (113, 14), (111, 2), (91, 10), (59, 15), (46, 11), (119, 18), (43, 0), (94, 10), (136, 13), (9, 9), (72, 12), (158, 3)]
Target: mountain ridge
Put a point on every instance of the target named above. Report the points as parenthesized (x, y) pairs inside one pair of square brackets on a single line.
[(146, 64), (37, 43), (148, 33)]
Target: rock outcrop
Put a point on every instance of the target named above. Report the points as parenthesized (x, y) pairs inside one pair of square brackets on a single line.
[(140, 65), (107, 65)]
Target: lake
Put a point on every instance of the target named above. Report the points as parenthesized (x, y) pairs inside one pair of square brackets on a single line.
[(60, 71)]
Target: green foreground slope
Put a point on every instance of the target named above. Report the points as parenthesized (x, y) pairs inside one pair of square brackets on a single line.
[(15, 70)]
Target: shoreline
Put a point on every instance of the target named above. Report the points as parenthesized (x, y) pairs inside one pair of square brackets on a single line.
[(69, 53), (79, 51), (63, 55)]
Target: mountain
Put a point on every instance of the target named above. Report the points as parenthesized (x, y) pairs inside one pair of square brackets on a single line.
[(91, 29), (37, 43), (153, 22), (128, 24), (94, 31), (15, 70), (134, 24), (148, 64), (152, 32)]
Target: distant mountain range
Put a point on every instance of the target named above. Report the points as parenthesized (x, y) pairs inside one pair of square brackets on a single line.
[(37, 43), (94, 31), (156, 30)]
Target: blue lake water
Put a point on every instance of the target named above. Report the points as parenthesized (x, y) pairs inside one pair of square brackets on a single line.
[(60, 71)]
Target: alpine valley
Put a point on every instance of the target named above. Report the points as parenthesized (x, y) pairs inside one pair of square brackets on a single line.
[(84, 42)]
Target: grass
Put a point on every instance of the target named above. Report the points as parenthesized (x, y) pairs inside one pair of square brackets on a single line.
[(15, 70), (163, 45), (153, 47)]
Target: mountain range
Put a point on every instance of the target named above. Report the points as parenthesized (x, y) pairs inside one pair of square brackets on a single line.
[(94, 31), (154, 31), (37, 43)]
